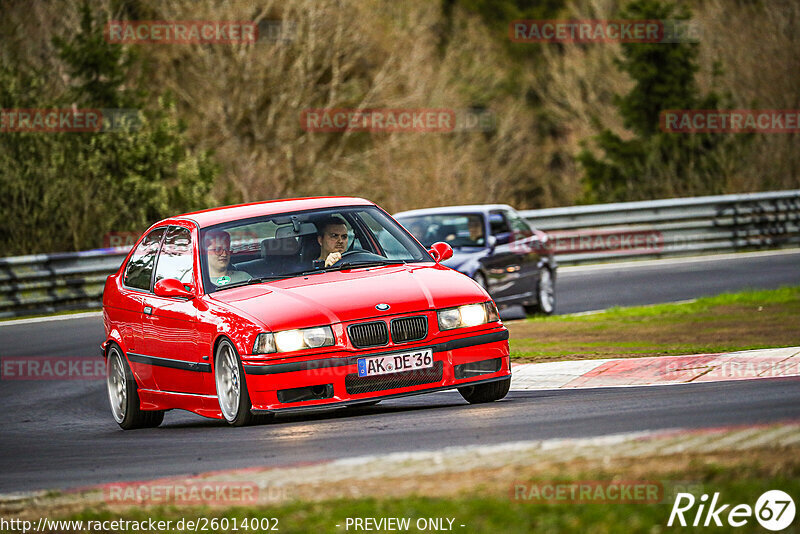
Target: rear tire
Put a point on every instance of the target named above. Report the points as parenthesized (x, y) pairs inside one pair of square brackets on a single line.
[(232, 394), (123, 394), (490, 392)]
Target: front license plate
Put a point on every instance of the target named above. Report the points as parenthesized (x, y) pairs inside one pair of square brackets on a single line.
[(395, 363)]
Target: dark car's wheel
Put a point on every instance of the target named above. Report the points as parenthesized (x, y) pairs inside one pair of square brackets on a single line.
[(234, 399), (123, 394), (485, 392), (545, 294), (481, 279)]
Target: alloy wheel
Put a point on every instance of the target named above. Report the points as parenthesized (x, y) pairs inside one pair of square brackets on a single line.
[(117, 385), (226, 374)]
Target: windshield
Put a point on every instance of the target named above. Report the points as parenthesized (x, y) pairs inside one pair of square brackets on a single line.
[(301, 243), (457, 229)]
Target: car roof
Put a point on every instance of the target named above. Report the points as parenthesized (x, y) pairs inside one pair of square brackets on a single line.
[(223, 214), (470, 208)]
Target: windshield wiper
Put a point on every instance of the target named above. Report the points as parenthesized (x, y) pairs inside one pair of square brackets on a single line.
[(251, 281), (366, 263), (350, 265)]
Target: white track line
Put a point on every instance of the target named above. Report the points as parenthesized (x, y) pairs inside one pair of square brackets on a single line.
[(674, 261), (81, 315)]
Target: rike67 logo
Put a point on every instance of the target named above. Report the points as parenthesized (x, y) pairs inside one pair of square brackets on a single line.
[(774, 510)]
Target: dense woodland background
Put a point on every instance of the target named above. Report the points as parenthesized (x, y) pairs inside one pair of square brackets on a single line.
[(573, 123)]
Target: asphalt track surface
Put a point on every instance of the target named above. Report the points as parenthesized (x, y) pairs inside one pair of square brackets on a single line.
[(60, 434)]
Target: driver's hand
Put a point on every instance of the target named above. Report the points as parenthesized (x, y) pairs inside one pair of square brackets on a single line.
[(332, 258)]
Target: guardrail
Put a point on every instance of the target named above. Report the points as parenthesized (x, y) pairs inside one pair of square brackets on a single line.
[(671, 227), (45, 283)]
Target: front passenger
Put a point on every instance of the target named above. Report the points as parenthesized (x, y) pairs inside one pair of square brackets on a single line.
[(217, 245)]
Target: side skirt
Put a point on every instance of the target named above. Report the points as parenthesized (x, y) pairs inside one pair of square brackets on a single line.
[(205, 405)]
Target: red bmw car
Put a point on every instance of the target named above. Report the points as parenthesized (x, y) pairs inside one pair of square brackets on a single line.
[(241, 312)]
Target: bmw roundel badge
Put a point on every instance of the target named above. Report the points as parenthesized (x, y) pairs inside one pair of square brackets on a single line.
[(382, 306)]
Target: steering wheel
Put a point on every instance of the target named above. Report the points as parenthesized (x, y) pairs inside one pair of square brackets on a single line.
[(352, 253)]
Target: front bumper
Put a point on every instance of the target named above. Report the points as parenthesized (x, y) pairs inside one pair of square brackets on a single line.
[(333, 380)]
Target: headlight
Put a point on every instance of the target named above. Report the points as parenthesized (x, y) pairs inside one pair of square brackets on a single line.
[(469, 315), (291, 340), (265, 343)]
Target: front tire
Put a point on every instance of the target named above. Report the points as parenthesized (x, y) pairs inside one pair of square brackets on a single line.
[(545, 294), (490, 392), (481, 280), (123, 394), (234, 399)]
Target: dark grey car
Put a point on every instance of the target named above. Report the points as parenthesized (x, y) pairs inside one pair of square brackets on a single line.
[(496, 247)]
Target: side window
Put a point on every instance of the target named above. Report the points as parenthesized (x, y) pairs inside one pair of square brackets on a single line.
[(393, 249), (518, 226), (139, 270), (498, 223), (176, 258)]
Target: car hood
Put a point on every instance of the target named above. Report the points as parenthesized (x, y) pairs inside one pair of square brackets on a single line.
[(343, 296)]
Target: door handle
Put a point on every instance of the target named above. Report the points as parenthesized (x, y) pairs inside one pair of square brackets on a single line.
[(148, 310)]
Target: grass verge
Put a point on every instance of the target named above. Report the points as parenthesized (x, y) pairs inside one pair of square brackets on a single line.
[(723, 323), (495, 503)]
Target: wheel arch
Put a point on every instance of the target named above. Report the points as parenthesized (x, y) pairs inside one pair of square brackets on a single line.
[(115, 338), (217, 340), (118, 343)]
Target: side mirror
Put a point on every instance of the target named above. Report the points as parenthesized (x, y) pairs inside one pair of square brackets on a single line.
[(171, 287), (502, 238), (491, 242), (441, 251)]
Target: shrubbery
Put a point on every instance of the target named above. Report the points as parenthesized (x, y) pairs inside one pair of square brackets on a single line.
[(65, 191)]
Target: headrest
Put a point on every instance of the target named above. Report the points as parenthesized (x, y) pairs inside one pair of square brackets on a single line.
[(279, 246)]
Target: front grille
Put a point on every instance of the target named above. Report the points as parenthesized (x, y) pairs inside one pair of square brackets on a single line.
[(409, 328), (372, 334), (355, 384)]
